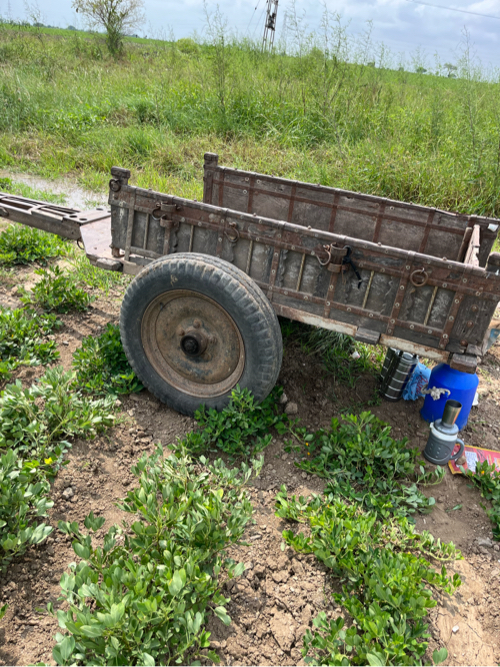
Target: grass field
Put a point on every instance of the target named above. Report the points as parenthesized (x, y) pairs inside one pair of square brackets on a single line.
[(320, 111)]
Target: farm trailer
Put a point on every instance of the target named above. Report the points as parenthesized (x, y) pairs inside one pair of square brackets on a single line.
[(200, 316)]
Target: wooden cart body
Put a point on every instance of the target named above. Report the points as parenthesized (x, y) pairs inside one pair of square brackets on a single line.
[(388, 272), (383, 271)]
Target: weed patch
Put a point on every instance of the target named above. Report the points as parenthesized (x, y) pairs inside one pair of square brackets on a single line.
[(387, 581), (24, 245), (58, 291), (240, 429), (487, 479), (102, 367), (38, 421), (143, 598), (364, 464), (24, 500), (23, 339)]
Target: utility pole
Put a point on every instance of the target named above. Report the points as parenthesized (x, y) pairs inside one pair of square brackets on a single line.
[(270, 25)]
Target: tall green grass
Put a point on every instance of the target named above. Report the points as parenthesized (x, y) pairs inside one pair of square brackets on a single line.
[(318, 109)]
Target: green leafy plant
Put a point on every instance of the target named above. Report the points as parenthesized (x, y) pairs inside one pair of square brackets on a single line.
[(487, 479), (24, 500), (240, 429), (102, 367), (40, 419), (386, 579), (143, 598), (58, 291), (363, 463), (23, 339), (24, 245)]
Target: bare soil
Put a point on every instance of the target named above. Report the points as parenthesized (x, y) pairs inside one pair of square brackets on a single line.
[(280, 593)]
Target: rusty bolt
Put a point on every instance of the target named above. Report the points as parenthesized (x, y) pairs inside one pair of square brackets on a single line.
[(475, 309), (212, 339), (470, 324), (463, 343), (197, 324), (180, 331)]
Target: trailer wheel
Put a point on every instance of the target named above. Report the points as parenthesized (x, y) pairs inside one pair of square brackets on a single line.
[(194, 327)]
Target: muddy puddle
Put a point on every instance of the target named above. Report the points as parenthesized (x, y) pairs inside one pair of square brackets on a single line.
[(75, 196)]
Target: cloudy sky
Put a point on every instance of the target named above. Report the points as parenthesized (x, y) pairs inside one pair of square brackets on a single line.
[(404, 27)]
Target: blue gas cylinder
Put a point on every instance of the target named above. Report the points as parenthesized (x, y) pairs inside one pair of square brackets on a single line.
[(462, 388)]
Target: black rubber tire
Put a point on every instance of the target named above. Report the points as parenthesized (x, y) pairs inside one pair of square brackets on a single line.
[(233, 291)]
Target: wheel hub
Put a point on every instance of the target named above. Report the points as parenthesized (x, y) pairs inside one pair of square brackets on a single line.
[(193, 343)]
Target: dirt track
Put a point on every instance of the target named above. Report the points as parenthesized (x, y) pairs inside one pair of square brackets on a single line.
[(279, 595)]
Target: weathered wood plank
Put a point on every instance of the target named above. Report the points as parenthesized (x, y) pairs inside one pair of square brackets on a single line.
[(472, 254)]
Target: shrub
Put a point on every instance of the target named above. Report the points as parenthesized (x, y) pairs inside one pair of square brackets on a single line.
[(240, 429), (363, 463), (23, 339), (58, 291), (23, 501), (143, 598), (102, 367), (387, 583), (24, 245), (39, 419), (487, 479)]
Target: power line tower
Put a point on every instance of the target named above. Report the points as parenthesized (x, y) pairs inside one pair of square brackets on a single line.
[(270, 25)]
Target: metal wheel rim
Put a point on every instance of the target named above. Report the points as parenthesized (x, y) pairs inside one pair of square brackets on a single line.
[(193, 343)]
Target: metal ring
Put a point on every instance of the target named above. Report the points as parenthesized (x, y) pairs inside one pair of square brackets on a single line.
[(156, 212), (233, 233), (328, 249), (419, 282)]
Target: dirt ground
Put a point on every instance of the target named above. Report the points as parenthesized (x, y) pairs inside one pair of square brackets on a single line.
[(280, 593)]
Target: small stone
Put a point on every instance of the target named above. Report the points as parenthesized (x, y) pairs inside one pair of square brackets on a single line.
[(304, 475), (496, 547), (280, 577), (292, 409), (455, 629), (67, 493), (283, 400), (484, 542), (298, 568), (461, 461)]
